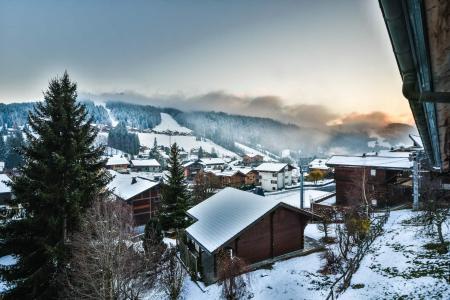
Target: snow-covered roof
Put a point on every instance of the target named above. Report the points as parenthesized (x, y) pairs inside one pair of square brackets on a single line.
[(381, 162), (225, 173), (117, 160), (318, 163), (212, 161), (3, 187), (145, 163), (270, 167), (122, 185), (244, 171), (253, 155), (390, 153), (225, 214)]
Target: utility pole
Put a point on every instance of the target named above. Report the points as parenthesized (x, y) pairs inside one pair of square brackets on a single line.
[(415, 158), (302, 192)]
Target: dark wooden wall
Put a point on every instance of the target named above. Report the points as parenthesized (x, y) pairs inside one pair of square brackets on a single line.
[(145, 205), (279, 232), (349, 186)]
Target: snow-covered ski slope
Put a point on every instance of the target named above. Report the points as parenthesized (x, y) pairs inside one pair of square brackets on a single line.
[(249, 150), (164, 136), (168, 124), (187, 142)]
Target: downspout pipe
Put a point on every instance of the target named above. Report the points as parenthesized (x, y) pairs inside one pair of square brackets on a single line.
[(412, 93)]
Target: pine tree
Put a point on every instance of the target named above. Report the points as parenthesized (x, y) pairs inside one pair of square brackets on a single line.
[(175, 197), (200, 153), (154, 151), (61, 175), (2, 148), (14, 143)]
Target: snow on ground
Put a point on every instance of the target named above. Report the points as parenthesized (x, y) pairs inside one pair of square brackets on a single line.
[(293, 197), (168, 124), (187, 142), (7, 260), (396, 268), (248, 150)]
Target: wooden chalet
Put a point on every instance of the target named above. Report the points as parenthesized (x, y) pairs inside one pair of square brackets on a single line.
[(144, 195), (382, 180), (249, 226), (192, 168), (117, 163), (145, 165), (228, 178), (251, 159)]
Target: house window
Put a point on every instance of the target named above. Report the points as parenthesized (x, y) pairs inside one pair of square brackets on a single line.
[(273, 182), (373, 172), (274, 174)]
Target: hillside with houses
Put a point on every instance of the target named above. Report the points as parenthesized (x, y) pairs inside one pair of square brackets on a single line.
[(225, 150), (285, 220)]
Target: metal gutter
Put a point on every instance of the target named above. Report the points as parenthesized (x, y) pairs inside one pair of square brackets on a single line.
[(405, 25)]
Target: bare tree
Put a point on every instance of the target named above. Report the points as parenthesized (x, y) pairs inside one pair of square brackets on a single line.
[(328, 217), (172, 275), (233, 276), (435, 211), (105, 263), (204, 187)]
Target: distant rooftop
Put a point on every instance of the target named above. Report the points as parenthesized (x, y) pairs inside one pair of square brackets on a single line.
[(126, 186), (145, 163), (270, 167), (212, 161), (373, 161), (117, 160)]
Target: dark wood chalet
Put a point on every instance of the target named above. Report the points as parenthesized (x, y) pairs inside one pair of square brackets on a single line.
[(249, 226), (142, 194), (379, 180)]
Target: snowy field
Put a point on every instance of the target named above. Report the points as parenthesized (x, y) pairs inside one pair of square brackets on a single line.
[(168, 124), (187, 142)]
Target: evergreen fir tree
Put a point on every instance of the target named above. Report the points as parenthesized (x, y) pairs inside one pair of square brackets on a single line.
[(61, 175), (154, 151), (153, 236), (14, 143), (2, 148), (200, 153), (174, 194)]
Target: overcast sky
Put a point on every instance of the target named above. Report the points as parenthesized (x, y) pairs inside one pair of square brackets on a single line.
[(334, 54)]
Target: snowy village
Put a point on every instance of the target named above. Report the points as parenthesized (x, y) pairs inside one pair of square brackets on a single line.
[(129, 195)]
